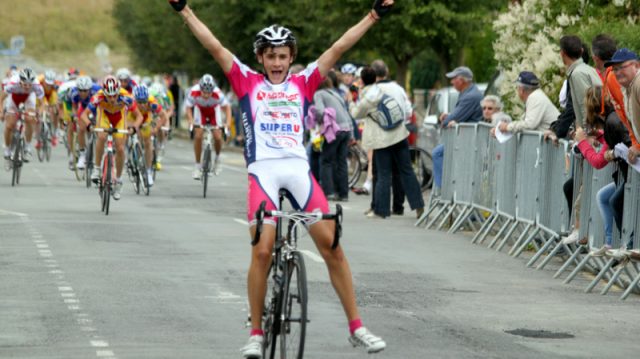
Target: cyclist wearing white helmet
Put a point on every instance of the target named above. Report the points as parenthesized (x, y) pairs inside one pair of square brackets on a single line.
[(22, 89), (204, 105), (126, 82), (111, 105), (80, 96), (273, 107)]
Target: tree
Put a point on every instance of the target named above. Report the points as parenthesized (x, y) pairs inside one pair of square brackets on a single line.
[(445, 26)]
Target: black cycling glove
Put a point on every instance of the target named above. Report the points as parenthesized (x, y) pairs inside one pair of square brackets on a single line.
[(178, 5), (380, 9)]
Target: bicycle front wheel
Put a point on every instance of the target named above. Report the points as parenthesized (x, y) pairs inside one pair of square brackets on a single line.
[(107, 182), (422, 164), (294, 310), (17, 161), (142, 169), (41, 149), (206, 167)]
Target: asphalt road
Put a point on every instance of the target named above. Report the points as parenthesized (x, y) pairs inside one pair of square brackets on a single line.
[(164, 277)]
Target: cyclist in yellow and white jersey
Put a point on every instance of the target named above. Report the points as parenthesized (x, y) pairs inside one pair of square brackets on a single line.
[(148, 106), (50, 103)]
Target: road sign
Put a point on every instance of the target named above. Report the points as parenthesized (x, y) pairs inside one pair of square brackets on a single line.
[(102, 50), (17, 42)]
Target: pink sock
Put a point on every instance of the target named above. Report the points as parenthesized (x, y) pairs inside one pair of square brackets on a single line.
[(256, 332), (354, 325)]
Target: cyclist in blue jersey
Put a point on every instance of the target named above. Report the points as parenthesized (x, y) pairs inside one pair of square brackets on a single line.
[(80, 96), (273, 104)]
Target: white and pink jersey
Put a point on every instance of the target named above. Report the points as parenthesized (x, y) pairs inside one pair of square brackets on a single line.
[(273, 115)]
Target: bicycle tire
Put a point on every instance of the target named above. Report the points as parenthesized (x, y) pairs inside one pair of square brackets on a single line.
[(354, 166), (88, 168), (16, 162), (74, 151), (294, 309), (109, 182), (206, 164), (132, 170), (46, 144), (142, 169), (40, 150), (270, 318), (422, 165)]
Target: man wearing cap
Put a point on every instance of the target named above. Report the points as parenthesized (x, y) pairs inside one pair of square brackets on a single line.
[(539, 111), (626, 67), (580, 77), (467, 109)]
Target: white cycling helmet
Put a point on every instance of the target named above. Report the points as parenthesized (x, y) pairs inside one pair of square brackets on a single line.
[(123, 74), (348, 69), (27, 75), (84, 83), (207, 83), (272, 36), (110, 86), (50, 77)]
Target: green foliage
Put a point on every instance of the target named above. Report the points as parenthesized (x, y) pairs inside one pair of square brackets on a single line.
[(425, 71), (161, 43)]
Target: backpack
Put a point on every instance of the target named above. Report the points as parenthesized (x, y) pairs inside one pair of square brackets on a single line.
[(388, 114)]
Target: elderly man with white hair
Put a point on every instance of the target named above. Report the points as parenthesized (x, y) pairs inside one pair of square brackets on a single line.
[(539, 111)]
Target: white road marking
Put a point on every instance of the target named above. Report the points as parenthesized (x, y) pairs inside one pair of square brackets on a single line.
[(5, 212), (99, 343), (241, 221), (104, 354), (314, 257)]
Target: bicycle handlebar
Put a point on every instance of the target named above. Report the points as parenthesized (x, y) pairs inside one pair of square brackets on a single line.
[(317, 216)]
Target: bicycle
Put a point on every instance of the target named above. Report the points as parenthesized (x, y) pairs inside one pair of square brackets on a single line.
[(207, 150), (357, 163), (88, 168), (74, 150), (44, 151), (158, 150), (285, 310), (136, 165), (17, 147), (107, 179)]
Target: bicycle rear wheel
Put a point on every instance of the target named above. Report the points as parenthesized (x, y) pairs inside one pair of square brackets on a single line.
[(46, 144), (354, 167), (422, 164), (294, 309), (74, 150), (206, 167)]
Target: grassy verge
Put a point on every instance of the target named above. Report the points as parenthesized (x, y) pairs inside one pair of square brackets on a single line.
[(64, 33)]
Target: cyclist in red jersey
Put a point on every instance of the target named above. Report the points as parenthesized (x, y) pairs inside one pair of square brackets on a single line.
[(272, 105)]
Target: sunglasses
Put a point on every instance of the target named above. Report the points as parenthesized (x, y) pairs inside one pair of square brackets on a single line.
[(488, 108)]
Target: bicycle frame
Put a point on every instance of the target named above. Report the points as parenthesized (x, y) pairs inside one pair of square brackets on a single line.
[(288, 262)]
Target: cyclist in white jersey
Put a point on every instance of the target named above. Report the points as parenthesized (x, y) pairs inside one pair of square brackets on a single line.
[(272, 106)]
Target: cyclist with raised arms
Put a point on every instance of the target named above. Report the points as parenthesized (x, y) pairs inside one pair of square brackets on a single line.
[(148, 106), (23, 89), (111, 105), (273, 104), (203, 104)]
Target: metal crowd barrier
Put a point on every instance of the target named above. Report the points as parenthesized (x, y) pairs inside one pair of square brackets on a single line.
[(513, 192)]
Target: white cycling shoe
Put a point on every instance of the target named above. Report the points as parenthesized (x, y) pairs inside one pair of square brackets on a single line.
[(362, 337), (253, 348)]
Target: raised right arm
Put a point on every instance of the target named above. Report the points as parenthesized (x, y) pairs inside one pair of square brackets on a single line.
[(222, 55)]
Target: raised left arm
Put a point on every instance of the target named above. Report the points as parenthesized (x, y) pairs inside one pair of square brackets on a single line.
[(329, 58)]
